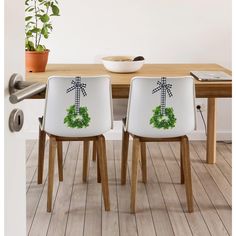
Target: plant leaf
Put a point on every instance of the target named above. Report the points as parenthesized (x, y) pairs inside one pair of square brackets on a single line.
[(29, 8), (40, 48), (29, 34), (49, 26), (29, 45), (27, 2), (27, 18), (30, 23), (35, 30), (55, 10), (44, 32), (44, 18), (47, 4)]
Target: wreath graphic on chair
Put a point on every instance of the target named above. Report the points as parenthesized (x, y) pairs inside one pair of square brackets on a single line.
[(163, 117), (77, 116)]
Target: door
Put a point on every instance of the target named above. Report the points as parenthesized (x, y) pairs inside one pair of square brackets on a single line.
[(14, 143)]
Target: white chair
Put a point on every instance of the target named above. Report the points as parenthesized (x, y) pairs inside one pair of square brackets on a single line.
[(159, 109), (76, 109)]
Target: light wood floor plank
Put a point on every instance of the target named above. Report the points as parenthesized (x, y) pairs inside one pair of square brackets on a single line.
[(42, 218), (62, 202), (216, 198), (93, 215), (29, 147), (31, 166), (224, 187), (143, 214), (127, 221), (229, 146), (110, 220), (161, 203), (177, 217), (196, 220), (225, 152), (34, 192), (222, 163), (159, 211), (76, 214)]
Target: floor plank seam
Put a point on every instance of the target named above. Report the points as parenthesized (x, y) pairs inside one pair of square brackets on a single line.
[(218, 165), (37, 205), (31, 150), (129, 176), (116, 178), (85, 207)]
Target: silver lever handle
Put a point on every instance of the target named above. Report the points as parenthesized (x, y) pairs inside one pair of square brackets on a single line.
[(20, 90)]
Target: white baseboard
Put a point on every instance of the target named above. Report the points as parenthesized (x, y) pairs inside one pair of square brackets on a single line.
[(116, 135)]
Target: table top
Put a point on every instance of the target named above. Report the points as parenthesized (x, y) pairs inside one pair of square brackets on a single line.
[(121, 82)]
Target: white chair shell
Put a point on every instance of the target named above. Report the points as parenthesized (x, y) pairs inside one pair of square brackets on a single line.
[(142, 101), (98, 101)]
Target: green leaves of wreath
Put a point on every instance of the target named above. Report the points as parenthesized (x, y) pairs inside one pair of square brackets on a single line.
[(166, 121), (77, 120)]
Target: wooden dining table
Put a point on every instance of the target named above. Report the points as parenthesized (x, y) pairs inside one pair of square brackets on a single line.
[(121, 84)]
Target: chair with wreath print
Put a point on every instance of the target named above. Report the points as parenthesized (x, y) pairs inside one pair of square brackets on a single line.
[(159, 109), (76, 109)]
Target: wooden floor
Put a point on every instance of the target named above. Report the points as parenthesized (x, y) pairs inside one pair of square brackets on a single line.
[(161, 204)]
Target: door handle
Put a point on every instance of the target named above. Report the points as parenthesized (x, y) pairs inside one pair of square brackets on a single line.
[(20, 90)]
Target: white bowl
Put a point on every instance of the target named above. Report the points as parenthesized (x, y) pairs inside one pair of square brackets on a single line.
[(122, 64)]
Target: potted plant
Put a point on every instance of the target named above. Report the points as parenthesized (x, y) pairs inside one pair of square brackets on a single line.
[(38, 26)]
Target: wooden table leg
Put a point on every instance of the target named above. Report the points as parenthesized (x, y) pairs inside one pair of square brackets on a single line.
[(211, 131)]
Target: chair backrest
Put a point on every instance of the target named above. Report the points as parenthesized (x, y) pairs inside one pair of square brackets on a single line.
[(161, 107), (78, 106)]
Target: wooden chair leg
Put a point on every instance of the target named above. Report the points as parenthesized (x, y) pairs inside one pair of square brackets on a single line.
[(52, 151), (187, 173), (135, 159), (124, 156), (181, 163), (94, 151), (85, 160), (103, 171), (144, 162), (41, 148), (60, 160), (98, 167)]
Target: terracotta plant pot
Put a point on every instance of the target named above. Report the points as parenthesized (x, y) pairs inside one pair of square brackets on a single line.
[(36, 61)]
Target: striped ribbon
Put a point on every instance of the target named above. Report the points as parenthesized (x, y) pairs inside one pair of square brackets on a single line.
[(77, 86), (164, 87)]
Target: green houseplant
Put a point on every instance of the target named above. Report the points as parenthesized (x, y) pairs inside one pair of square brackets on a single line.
[(38, 26)]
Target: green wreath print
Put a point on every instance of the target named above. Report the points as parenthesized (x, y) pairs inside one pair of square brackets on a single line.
[(77, 120), (159, 121)]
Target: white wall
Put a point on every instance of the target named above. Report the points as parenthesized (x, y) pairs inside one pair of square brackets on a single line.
[(163, 31)]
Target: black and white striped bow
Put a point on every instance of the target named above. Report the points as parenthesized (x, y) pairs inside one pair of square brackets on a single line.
[(164, 87), (77, 86)]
